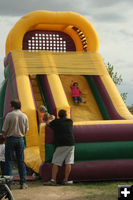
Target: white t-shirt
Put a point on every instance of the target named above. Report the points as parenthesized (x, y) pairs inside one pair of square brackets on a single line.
[(15, 124), (2, 152)]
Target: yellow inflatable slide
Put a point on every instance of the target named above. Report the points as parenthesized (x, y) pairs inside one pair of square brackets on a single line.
[(45, 52)]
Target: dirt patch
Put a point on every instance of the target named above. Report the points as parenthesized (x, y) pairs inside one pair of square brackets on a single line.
[(36, 190)]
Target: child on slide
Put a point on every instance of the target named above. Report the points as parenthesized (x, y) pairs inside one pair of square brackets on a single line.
[(76, 93)]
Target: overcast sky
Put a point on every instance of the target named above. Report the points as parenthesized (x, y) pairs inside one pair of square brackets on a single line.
[(112, 19)]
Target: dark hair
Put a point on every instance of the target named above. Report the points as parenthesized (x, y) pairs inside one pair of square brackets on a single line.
[(2, 139), (16, 104), (62, 113), (75, 83)]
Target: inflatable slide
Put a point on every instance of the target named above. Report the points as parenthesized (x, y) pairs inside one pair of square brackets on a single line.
[(45, 51)]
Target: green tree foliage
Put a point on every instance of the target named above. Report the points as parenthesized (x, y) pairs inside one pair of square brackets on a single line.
[(130, 108), (116, 78)]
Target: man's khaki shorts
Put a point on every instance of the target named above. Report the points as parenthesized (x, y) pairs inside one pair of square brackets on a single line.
[(63, 154)]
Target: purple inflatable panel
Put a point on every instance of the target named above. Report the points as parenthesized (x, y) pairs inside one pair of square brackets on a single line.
[(9, 95), (97, 133), (107, 101), (96, 170)]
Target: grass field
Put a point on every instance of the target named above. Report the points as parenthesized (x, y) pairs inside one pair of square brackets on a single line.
[(80, 191)]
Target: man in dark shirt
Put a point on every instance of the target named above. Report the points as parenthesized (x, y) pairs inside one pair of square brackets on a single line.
[(64, 142)]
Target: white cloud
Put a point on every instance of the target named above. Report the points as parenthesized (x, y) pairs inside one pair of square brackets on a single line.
[(6, 24)]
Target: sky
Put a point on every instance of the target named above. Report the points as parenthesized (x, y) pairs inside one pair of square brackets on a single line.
[(112, 20)]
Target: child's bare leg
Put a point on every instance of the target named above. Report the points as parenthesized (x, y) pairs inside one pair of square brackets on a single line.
[(75, 100), (81, 100)]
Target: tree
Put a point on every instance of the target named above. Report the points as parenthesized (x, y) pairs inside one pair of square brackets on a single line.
[(116, 78), (130, 108)]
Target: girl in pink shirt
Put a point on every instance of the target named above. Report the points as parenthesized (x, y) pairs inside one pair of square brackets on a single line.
[(76, 93)]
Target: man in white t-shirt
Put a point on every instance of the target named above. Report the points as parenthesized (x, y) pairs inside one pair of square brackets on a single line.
[(14, 128)]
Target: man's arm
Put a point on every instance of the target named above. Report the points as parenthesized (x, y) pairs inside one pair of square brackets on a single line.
[(4, 134), (26, 125), (5, 126), (52, 117)]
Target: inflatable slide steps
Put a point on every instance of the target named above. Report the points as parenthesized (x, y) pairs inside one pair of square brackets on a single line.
[(36, 91)]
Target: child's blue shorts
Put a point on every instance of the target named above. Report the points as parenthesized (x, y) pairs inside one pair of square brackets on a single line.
[(77, 99)]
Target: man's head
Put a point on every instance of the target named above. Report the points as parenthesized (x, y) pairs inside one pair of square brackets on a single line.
[(16, 104), (62, 113)]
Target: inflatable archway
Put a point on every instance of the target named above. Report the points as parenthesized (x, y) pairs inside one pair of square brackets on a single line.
[(67, 22), (44, 52)]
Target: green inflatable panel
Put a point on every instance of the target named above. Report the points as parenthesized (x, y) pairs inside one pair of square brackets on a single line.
[(98, 98), (97, 151), (2, 98)]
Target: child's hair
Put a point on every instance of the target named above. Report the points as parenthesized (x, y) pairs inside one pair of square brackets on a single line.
[(46, 117), (75, 83), (43, 108), (2, 139)]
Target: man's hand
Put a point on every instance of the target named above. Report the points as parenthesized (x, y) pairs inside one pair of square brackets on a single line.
[(4, 134), (51, 118)]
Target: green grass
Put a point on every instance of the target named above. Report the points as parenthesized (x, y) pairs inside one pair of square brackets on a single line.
[(104, 190), (107, 190)]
